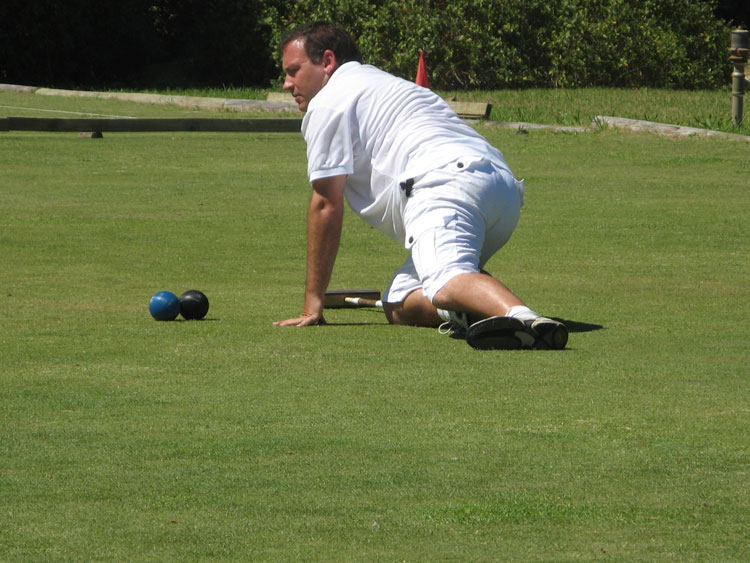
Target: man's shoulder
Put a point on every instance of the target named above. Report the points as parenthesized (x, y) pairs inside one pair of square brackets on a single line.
[(352, 82), (353, 68), (344, 86)]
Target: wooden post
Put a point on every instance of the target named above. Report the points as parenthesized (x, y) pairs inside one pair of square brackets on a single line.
[(739, 53)]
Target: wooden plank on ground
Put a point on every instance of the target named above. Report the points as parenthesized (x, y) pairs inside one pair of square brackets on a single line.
[(139, 125), (471, 110), (663, 129), (279, 97)]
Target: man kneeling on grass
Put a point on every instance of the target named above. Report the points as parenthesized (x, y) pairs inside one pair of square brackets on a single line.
[(409, 166)]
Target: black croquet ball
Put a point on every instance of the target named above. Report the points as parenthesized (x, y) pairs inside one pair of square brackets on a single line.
[(193, 305)]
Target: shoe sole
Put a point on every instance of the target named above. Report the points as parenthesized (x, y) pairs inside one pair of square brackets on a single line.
[(551, 334), (500, 333)]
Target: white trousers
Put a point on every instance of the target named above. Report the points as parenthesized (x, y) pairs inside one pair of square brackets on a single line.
[(456, 218)]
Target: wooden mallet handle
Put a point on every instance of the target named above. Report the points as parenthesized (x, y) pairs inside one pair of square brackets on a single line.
[(362, 302)]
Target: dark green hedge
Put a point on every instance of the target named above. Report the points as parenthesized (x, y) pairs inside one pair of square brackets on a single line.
[(135, 43), (543, 43), (483, 44)]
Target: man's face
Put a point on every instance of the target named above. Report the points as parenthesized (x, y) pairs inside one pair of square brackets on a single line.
[(303, 78)]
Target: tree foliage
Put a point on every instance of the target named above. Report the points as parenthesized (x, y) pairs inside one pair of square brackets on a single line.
[(47, 42), (483, 44), (543, 43), (135, 43)]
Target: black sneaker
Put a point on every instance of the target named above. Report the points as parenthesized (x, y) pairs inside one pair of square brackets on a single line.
[(509, 333), (550, 334), (455, 327), (500, 333)]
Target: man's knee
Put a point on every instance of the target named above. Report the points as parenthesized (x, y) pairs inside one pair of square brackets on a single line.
[(415, 310), (391, 313)]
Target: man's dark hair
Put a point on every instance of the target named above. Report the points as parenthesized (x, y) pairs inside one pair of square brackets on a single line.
[(322, 36)]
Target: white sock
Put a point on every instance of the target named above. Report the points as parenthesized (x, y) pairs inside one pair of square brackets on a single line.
[(522, 312)]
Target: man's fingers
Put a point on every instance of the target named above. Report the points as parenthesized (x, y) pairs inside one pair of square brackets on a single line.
[(304, 320)]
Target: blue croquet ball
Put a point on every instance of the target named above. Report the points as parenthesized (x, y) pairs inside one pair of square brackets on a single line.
[(164, 306), (193, 305)]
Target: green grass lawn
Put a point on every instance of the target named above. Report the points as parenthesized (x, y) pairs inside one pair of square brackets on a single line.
[(705, 109), (123, 438)]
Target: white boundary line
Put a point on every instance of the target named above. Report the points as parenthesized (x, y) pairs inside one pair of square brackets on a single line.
[(70, 112)]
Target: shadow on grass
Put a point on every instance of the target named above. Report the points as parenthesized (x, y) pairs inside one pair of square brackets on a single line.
[(573, 326), (356, 324), (577, 326), (204, 320)]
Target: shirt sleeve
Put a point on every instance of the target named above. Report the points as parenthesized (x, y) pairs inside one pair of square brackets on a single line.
[(329, 144)]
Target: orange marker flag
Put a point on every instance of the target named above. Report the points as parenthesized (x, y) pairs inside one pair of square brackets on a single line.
[(422, 78)]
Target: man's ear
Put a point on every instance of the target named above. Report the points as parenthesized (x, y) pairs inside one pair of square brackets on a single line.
[(329, 62)]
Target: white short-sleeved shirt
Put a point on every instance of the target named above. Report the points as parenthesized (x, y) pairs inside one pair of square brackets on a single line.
[(380, 130)]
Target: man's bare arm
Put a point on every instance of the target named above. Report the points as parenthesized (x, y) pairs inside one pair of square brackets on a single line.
[(324, 220)]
